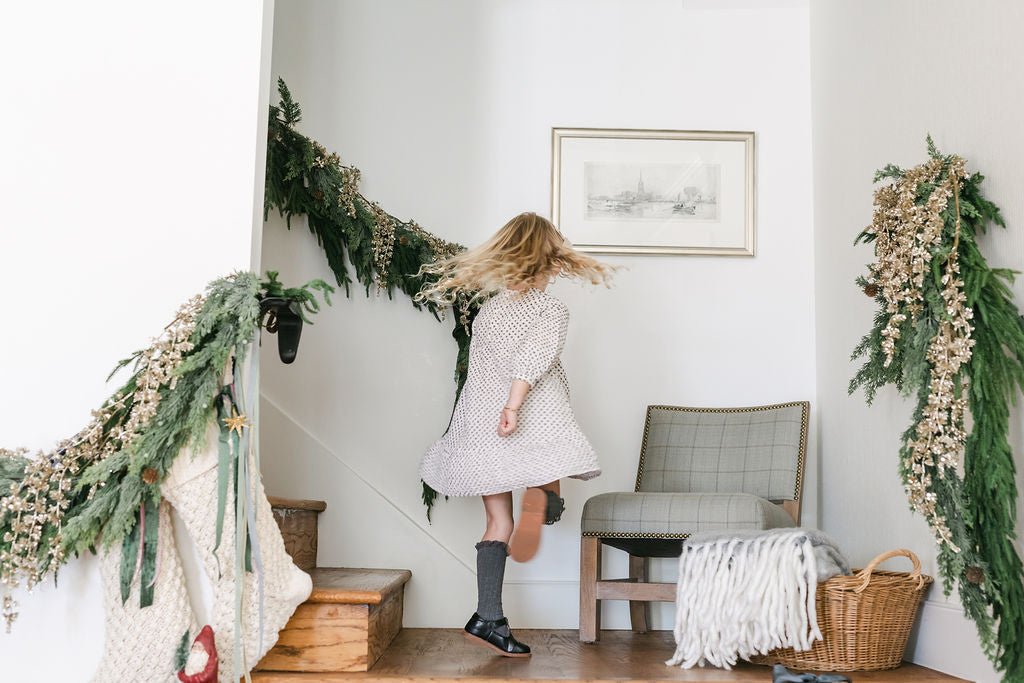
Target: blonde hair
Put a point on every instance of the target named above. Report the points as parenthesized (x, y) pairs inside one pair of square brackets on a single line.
[(526, 247)]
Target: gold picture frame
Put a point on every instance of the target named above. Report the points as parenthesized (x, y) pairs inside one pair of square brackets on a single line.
[(698, 196)]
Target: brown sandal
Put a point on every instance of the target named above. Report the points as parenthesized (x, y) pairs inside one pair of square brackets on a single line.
[(526, 536)]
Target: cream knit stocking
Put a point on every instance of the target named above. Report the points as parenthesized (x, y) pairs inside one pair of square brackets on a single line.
[(141, 643), (192, 490)]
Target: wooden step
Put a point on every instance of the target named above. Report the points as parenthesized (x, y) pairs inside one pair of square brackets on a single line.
[(347, 623), (297, 520)]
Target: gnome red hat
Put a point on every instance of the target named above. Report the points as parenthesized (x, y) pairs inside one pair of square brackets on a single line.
[(203, 644)]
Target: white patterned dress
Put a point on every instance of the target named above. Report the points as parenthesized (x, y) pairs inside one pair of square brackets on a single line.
[(515, 336)]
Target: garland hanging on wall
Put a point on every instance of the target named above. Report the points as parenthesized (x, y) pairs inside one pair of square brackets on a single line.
[(303, 179), (948, 332)]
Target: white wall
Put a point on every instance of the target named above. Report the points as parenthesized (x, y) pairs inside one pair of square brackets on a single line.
[(131, 165), (884, 75), (447, 108)]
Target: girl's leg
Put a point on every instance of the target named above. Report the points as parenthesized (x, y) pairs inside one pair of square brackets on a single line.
[(488, 625), (498, 508), (491, 552), (555, 487)]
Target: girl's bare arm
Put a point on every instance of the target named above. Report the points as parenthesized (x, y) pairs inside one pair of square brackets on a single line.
[(509, 419)]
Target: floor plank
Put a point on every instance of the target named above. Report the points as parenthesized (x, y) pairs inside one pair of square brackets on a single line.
[(444, 655)]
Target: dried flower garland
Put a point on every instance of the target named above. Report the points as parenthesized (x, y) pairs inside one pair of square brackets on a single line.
[(92, 489), (36, 503), (949, 332), (905, 236), (303, 179), (382, 243)]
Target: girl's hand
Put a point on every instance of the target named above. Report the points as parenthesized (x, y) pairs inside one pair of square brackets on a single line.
[(508, 421)]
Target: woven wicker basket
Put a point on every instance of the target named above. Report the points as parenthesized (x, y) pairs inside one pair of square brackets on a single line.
[(865, 619)]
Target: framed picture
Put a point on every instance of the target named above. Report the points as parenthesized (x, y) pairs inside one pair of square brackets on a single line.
[(654, 191)]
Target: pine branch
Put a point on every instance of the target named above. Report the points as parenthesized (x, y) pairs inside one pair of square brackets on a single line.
[(291, 113)]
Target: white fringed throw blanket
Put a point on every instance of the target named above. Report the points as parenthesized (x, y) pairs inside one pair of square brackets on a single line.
[(745, 593)]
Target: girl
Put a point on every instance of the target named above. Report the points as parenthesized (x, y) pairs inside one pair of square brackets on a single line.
[(513, 426)]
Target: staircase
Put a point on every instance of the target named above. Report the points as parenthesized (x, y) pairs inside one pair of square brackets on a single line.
[(351, 617)]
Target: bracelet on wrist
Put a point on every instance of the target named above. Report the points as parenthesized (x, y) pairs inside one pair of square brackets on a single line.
[(514, 410)]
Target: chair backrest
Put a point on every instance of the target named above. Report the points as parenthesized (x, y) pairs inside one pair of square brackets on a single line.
[(759, 450)]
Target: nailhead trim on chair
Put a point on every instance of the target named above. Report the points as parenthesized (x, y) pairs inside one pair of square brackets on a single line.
[(624, 534), (805, 409)]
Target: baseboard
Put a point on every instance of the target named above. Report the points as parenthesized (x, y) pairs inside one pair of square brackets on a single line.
[(945, 640)]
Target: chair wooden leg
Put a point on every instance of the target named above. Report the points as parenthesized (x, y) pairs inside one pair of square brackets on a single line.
[(590, 574), (639, 610)]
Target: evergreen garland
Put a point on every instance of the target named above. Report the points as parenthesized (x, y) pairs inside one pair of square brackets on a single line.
[(12, 468), (949, 333), (303, 179), (118, 484), (92, 489)]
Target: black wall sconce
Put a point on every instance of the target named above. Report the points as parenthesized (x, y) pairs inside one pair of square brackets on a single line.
[(279, 318)]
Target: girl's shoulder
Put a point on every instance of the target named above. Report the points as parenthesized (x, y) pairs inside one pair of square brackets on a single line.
[(530, 303), (532, 296), (548, 304)]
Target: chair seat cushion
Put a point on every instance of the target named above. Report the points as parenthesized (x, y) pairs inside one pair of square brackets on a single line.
[(677, 515)]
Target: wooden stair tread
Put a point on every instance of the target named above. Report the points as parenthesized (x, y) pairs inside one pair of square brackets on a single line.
[(297, 504), (347, 623), (345, 586)]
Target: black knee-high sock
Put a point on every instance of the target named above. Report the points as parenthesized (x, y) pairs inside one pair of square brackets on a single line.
[(490, 574)]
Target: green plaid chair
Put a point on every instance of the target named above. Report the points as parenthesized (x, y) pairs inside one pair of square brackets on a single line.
[(701, 469)]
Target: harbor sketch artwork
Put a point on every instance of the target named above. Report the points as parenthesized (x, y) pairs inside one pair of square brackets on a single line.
[(649, 191), (637, 191)]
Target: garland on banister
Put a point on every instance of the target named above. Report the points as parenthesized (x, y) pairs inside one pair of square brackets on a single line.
[(101, 487), (304, 179), (948, 332)]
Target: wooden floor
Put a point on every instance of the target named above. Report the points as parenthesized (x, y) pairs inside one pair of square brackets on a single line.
[(444, 655)]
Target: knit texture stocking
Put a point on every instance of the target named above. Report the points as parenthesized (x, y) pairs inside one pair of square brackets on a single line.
[(191, 487), (141, 643), (490, 575)]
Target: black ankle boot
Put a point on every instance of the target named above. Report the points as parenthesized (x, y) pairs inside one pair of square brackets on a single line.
[(555, 507), (487, 633)]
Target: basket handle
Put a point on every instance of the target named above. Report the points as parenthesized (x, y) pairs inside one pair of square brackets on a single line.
[(865, 574)]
